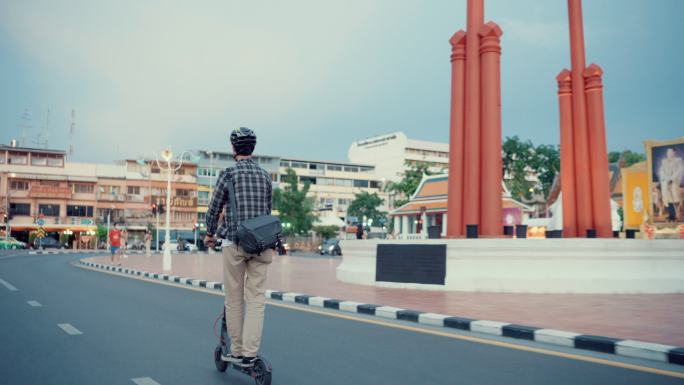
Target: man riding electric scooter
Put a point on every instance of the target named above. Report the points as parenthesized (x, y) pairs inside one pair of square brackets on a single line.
[(243, 193)]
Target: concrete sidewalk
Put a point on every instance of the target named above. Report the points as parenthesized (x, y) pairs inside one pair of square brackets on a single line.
[(645, 317)]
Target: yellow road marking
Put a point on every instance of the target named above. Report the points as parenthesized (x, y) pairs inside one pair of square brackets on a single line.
[(484, 341)]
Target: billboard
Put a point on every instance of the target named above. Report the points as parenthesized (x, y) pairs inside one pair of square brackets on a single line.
[(665, 162), (636, 198)]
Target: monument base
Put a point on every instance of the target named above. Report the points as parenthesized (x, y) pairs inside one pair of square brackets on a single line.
[(575, 265)]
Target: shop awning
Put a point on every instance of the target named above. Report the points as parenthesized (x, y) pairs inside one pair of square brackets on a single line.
[(48, 228)]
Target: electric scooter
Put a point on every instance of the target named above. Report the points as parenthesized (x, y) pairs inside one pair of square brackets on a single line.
[(260, 372)]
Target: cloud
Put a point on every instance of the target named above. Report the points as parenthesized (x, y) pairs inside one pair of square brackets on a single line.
[(534, 33)]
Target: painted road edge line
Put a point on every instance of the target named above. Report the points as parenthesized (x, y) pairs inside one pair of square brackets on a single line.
[(144, 381), (69, 329), (616, 346), (8, 285)]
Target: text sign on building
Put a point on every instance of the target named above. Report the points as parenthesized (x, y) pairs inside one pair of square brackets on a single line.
[(424, 264), (44, 191)]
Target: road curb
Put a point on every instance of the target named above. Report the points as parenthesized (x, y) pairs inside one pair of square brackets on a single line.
[(603, 344)]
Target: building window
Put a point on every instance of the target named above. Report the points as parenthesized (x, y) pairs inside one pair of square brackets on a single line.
[(360, 183), (307, 179), (351, 169), (18, 157), (19, 185), (343, 202), (374, 184), (38, 160), (79, 211), (183, 193), (49, 210), (184, 216), (334, 167), (201, 217), (82, 188), (55, 160), (3, 156), (299, 165), (134, 190), (284, 163), (274, 177), (366, 169), (343, 182), (20, 209)]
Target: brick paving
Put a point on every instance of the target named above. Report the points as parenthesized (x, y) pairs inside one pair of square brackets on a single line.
[(646, 317)]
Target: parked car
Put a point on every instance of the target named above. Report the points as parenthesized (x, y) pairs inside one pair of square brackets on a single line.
[(11, 244), (330, 246), (46, 243), (188, 246)]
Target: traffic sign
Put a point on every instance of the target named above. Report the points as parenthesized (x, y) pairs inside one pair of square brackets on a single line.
[(41, 222)]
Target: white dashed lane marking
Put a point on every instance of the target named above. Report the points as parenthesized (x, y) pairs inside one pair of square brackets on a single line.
[(145, 381), (69, 329), (7, 285), (34, 303)]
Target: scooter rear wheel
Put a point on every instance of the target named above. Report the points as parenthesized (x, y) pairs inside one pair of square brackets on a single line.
[(221, 365), (262, 373)]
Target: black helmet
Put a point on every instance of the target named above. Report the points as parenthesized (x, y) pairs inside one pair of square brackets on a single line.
[(243, 140)]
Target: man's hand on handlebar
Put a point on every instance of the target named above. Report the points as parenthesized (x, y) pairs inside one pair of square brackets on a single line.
[(210, 241)]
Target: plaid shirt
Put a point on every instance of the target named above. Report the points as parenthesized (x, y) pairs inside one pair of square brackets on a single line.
[(253, 190)]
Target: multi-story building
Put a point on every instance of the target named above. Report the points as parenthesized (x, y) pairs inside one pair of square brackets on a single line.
[(334, 184), (390, 153), (39, 189)]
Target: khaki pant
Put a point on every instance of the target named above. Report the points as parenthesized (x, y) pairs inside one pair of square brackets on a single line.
[(244, 278)]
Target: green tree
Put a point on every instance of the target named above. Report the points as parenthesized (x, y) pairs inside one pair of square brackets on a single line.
[(366, 204), (101, 233), (326, 232), (517, 158), (521, 159), (630, 157), (410, 180), (546, 164), (295, 209)]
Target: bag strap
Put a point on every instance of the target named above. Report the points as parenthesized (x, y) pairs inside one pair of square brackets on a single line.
[(233, 206)]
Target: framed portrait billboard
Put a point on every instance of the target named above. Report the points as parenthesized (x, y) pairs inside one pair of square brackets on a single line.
[(665, 167)]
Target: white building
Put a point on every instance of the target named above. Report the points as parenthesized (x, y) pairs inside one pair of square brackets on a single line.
[(389, 154), (334, 184)]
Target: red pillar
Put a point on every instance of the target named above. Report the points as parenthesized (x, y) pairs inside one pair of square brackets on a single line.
[(567, 154), (455, 227), (579, 120), (598, 152), (491, 209), (471, 176)]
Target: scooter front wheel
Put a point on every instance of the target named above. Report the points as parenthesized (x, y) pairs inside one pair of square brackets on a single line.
[(221, 365)]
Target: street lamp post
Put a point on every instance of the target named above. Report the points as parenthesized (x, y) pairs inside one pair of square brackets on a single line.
[(170, 168), (8, 226)]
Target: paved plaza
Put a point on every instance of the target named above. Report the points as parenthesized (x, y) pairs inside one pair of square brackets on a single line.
[(645, 317)]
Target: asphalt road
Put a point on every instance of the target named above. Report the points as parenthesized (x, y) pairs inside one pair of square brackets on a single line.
[(132, 329)]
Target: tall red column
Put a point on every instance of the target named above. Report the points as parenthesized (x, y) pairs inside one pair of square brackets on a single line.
[(471, 177), (579, 120), (455, 227), (491, 209), (598, 151), (567, 154)]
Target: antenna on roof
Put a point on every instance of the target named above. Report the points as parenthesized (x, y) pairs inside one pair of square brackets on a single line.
[(25, 126), (39, 140), (72, 128)]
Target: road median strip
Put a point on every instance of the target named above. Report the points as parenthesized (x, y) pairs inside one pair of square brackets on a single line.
[(603, 344)]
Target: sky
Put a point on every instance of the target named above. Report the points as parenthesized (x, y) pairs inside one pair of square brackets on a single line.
[(312, 76)]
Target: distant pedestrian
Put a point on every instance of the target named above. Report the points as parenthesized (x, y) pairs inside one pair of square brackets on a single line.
[(115, 244), (359, 231), (148, 243)]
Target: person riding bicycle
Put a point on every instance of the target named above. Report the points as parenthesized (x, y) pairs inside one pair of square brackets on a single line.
[(244, 274)]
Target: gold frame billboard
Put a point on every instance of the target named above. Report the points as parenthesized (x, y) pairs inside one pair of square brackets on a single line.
[(665, 167), (636, 198)]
